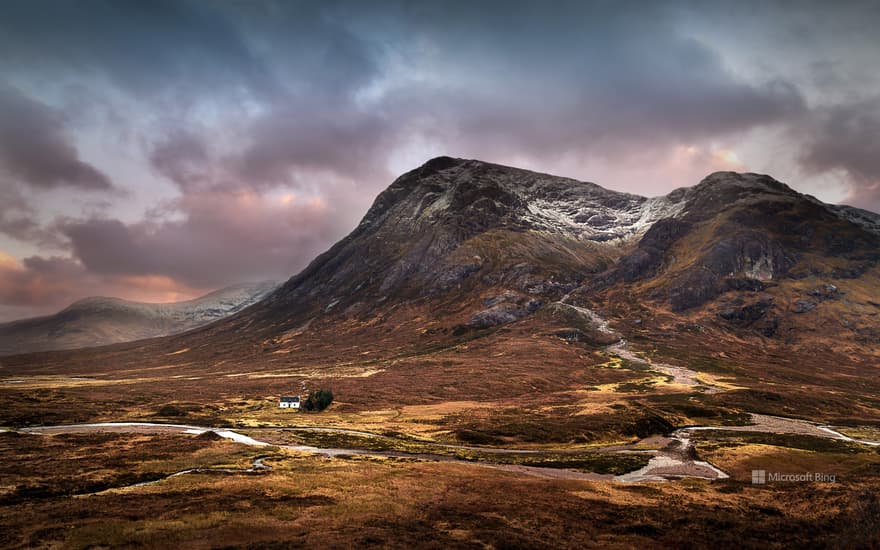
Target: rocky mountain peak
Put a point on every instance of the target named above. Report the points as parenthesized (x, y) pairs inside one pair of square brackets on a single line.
[(722, 190), (493, 195), (744, 180)]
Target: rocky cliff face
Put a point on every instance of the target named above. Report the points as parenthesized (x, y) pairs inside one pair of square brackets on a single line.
[(745, 232), (456, 229)]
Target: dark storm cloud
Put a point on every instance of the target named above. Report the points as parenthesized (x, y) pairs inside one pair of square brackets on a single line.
[(846, 136), (345, 141), (183, 157), (16, 214), (500, 79), (38, 281), (489, 80), (35, 148), (589, 76), (143, 47)]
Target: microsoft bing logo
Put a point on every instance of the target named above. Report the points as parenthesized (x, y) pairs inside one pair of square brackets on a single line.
[(762, 477)]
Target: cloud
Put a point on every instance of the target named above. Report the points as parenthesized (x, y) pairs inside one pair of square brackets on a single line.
[(215, 238), (344, 140), (509, 83), (589, 80), (843, 137), (17, 216), (37, 281), (150, 49), (340, 87), (35, 149), (183, 158)]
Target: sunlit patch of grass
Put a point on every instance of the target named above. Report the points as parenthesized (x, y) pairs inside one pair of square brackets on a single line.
[(641, 385), (739, 459), (789, 440), (869, 433), (716, 381), (613, 362)]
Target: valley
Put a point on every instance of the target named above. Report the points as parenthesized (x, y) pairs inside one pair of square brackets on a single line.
[(516, 360), (583, 442)]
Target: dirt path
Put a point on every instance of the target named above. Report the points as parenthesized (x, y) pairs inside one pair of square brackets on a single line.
[(680, 375), (599, 322)]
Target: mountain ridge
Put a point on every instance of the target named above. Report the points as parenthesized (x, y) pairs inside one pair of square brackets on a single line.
[(460, 233), (100, 320)]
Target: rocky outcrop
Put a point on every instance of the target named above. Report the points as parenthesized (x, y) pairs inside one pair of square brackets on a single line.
[(753, 315), (746, 314), (646, 260), (746, 261), (826, 292), (504, 309), (803, 306)]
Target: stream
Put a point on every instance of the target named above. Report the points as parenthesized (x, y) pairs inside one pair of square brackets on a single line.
[(674, 460)]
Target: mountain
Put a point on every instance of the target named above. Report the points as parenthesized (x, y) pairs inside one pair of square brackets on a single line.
[(485, 244), (457, 229), (99, 321), (468, 281)]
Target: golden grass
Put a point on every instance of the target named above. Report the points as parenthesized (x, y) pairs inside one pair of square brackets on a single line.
[(309, 501)]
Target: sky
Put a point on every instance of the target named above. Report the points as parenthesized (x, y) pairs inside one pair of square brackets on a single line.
[(159, 150)]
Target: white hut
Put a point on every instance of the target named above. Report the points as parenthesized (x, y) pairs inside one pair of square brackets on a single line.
[(289, 402)]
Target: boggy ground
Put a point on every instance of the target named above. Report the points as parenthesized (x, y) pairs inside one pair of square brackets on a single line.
[(345, 502), (410, 377)]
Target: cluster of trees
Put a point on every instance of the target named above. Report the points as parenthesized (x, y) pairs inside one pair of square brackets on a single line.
[(318, 400)]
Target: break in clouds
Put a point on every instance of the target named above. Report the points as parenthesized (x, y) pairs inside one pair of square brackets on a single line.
[(155, 150)]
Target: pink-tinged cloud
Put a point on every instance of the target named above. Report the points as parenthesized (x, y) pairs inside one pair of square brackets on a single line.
[(223, 236)]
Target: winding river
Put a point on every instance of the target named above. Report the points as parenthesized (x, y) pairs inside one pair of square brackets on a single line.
[(674, 459)]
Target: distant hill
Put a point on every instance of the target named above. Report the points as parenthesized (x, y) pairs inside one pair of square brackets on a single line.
[(100, 321)]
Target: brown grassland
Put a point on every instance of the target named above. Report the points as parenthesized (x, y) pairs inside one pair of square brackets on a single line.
[(406, 377), (344, 502)]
